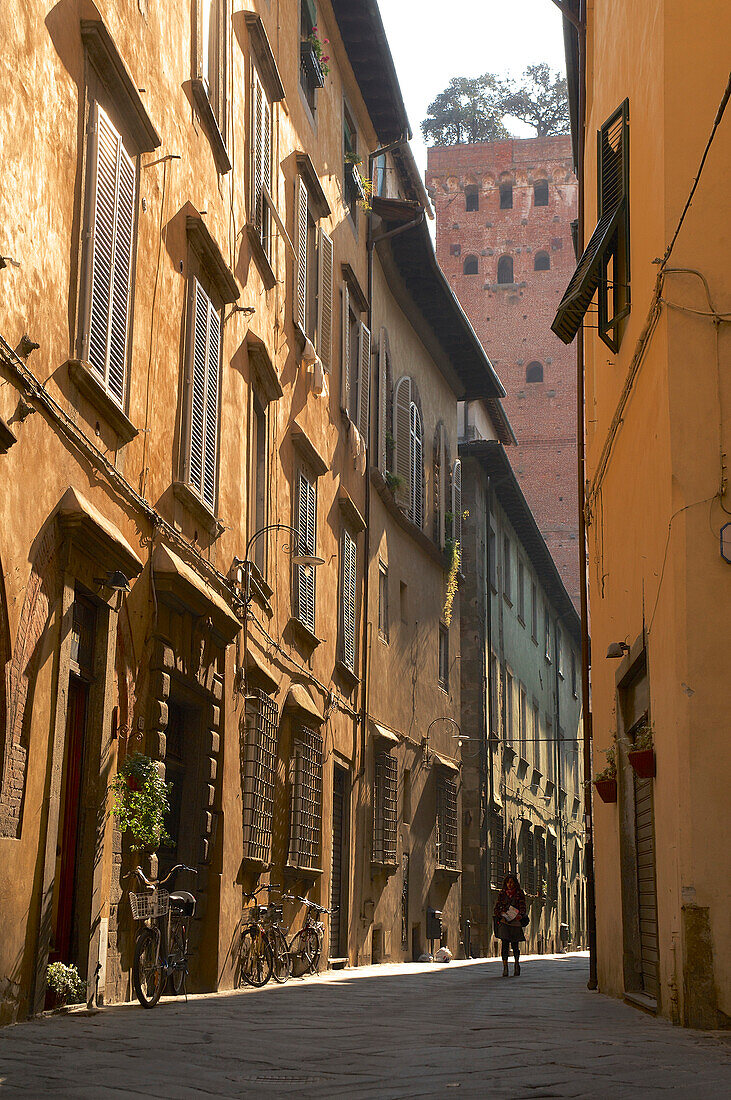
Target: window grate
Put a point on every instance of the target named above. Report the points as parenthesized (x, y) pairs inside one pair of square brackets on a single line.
[(306, 817), (497, 847), (446, 823), (384, 809), (529, 861), (260, 758), (552, 879)]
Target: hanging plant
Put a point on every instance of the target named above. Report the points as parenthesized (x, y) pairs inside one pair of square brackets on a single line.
[(641, 754), (66, 982), (363, 186), (318, 48), (605, 781), (393, 481), (141, 802), (453, 555)]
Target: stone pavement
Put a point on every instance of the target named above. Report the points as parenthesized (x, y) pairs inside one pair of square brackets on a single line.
[(390, 1031)]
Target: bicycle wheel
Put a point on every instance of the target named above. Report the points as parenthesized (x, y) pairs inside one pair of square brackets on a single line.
[(147, 968), (282, 970), (305, 952), (256, 958), (178, 959)]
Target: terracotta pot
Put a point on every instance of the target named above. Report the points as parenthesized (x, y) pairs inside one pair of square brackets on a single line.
[(606, 789), (643, 761)]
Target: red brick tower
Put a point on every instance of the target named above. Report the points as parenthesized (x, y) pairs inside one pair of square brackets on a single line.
[(504, 211)]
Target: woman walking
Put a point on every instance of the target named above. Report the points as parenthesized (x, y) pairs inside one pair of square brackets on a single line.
[(509, 918)]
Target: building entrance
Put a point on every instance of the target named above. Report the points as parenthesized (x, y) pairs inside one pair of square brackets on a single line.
[(65, 941)]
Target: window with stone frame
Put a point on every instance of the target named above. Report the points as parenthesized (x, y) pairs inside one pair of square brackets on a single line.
[(312, 77), (541, 870), (201, 412), (259, 761), (355, 382), (446, 823), (540, 193), (261, 165), (385, 808), (551, 870), (472, 198), (505, 270), (210, 74), (506, 196), (314, 274), (348, 598), (497, 847), (528, 859), (383, 617), (306, 774), (306, 527)]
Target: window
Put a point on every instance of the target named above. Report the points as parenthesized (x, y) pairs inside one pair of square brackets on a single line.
[(439, 483), (541, 262), (259, 479), (508, 707), (559, 652), (305, 834), (348, 583), (261, 163), (469, 265), (471, 198), (604, 264), (507, 570), (443, 657), (505, 269), (384, 809), (112, 203), (446, 824), (549, 749), (506, 196), (355, 365), (521, 592), (312, 76), (212, 55), (313, 301), (416, 511), (552, 870), (534, 612), (540, 193), (574, 684), (528, 869), (540, 863), (455, 250), (547, 632), (457, 515), (408, 451), (523, 723), (534, 372), (492, 555), (494, 696), (202, 412), (353, 188), (497, 847), (260, 759), (383, 601), (537, 746), (306, 527)]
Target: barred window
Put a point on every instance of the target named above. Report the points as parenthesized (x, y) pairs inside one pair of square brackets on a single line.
[(552, 877), (497, 847), (384, 809), (541, 865), (259, 763), (529, 861), (306, 818), (446, 823)]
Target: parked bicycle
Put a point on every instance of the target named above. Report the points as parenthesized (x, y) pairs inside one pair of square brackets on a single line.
[(260, 951), (306, 945), (161, 946)]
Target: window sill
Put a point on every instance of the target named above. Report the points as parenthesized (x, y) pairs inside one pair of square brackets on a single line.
[(448, 872), (507, 599), (210, 125), (347, 674), (303, 874), (260, 257), (521, 620), (83, 376), (193, 504), (7, 437), (304, 632), (444, 687), (380, 867)]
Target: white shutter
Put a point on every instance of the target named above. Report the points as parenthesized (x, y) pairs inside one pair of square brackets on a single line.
[(211, 429), (417, 468), (382, 382), (348, 599), (257, 148), (457, 501), (266, 176), (402, 439), (345, 354), (204, 377), (325, 300), (112, 229), (306, 527), (300, 304), (364, 382)]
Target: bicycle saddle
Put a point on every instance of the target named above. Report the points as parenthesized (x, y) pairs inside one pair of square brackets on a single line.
[(182, 901)]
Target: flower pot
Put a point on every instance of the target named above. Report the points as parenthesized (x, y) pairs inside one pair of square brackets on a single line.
[(606, 789), (643, 761)]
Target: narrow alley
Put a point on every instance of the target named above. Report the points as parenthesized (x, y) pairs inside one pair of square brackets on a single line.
[(411, 1030)]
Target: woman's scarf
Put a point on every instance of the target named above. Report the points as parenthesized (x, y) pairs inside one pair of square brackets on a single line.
[(505, 900)]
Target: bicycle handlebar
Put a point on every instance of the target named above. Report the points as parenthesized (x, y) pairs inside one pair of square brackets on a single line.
[(264, 886), (140, 874)]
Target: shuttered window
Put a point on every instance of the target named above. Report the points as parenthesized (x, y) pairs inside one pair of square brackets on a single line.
[(364, 380), (529, 860), (416, 510), (111, 234), (345, 367), (497, 847), (552, 871), (440, 486), (302, 226), (259, 770), (305, 835), (384, 809), (304, 576), (382, 457), (348, 575), (261, 162), (446, 825), (457, 501), (203, 384), (325, 299), (402, 440), (541, 880)]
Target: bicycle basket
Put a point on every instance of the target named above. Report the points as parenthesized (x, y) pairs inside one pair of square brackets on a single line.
[(145, 906), (251, 914), (275, 912)]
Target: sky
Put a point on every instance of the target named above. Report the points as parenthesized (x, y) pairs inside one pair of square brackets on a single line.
[(434, 40)]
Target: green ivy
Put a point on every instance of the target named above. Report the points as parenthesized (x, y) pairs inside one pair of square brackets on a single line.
[(393, 481), (453, 554), (141, 802)]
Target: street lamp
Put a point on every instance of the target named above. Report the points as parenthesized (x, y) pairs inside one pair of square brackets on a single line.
[(425, 738), (308, 561)]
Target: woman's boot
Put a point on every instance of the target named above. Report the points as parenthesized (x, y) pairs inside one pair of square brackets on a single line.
[(506, 972)]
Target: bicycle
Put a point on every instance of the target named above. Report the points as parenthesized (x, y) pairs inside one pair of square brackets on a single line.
[(306, 945), (256, 954), (161, 947)]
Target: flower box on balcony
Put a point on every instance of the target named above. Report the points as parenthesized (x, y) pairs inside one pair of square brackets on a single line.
[(606, 789), (311, 66), (643, 762)]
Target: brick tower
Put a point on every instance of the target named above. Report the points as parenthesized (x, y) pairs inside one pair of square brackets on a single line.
[(504, 211)]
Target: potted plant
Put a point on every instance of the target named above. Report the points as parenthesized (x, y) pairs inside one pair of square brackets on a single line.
[(66, 984), (313, 58), (642, 754), (362, 187), (605, 781), (394, 481), (141, 802)]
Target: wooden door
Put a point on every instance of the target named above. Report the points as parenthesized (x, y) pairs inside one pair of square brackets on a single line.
[(337, 922), (647, 891), (63, 946)]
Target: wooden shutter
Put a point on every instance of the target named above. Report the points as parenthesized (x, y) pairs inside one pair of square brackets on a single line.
[(257, 148), (402, 440), (306, 529), (364, 382), (348, 599), (300, 301), (325, 300), (382, 383), (417, 468), (457, 500), (204, 375), (440, 484), (211, 428), (345, 351), (112, 230)]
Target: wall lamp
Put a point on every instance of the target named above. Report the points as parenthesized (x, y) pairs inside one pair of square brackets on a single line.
[(617, 649), (300, 557), (115, 580), (425, 739)]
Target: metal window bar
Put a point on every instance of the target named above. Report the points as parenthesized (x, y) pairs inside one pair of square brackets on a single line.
[(260, 758), (306, 821), (446, 823), (384, 809)]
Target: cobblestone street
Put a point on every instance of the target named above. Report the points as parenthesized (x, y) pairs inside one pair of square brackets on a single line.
[(389, 1031)]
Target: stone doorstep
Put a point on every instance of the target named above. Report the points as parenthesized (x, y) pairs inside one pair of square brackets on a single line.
[(642, 1001), (337, 964)]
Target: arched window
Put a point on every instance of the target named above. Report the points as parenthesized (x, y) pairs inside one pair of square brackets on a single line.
[(505, 269), (506, 196), (469, 267), (471, 198), (542, 262), (534, 372), (416, 509), (540, 193)]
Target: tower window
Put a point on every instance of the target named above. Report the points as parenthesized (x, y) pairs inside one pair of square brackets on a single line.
[(540, 193), (455, 249), (505, 269), (542, 262), (469, 267), (471, 198), (534, 372), (506, 196)]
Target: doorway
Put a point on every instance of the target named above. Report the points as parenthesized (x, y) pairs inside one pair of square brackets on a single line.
[(66, 932), (646, 888), (338, 924)]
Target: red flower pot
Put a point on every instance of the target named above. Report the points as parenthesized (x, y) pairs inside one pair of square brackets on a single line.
[(606, 789), (643, 761)]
